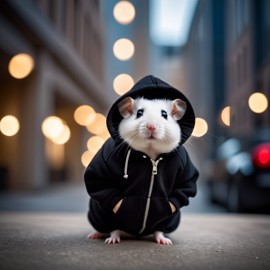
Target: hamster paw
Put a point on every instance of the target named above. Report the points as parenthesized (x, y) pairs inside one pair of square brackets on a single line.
[(114, 238), (161, 239), (96, 235)]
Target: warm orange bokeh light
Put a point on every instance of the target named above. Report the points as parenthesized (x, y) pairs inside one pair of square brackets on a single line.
[(55, 129), (258, 102), (99, 125), (122, 83), (226, 116), (9, 125), (124, 12), (105, 134), (123, 49), (63, 137), (21, 65), (200, 128), (94, 144), (52, 127), (86, 158), (84, 115)]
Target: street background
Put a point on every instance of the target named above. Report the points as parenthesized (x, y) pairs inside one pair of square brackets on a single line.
[(64, 63)]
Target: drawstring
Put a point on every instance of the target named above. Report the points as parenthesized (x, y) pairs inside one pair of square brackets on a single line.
[(154, 163), (126, 164)]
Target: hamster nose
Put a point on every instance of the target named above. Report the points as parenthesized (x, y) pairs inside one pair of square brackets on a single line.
[(151, 127)]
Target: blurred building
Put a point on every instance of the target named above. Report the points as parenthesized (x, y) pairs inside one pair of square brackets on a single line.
[(65, 40), (225, 61), (202, 69), (247, 63)]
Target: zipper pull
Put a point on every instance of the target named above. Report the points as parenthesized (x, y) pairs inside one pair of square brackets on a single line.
[(154, 171)]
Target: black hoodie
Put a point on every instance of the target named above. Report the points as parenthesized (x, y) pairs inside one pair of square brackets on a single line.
[(146, 186)]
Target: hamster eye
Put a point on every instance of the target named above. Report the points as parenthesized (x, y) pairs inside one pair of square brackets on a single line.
[(164, 114), (139, 113)]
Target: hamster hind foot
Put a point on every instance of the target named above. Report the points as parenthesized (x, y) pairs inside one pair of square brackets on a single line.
[(96, 235), (161, 239)]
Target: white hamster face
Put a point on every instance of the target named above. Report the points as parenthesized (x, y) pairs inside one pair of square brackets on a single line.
[(150, 126)]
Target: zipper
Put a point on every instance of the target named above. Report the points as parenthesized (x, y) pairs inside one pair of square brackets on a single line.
[(146, 212)]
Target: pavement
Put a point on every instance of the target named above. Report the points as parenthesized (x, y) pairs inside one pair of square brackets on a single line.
[(58, 241), (48, 229)]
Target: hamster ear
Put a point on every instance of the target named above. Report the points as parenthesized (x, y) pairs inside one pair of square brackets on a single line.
[(125, 107), (178, 109)]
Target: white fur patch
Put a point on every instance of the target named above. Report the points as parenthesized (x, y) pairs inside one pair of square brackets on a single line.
[(166, 135)]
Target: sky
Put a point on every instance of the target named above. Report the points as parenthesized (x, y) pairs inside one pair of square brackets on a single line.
[(170, 21)]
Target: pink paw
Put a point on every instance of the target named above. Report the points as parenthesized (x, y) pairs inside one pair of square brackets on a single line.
[(96, 235), (114, 238), (161, 239)]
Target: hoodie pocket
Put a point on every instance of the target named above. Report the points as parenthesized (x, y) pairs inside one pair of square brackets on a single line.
[(130, 214), (160, 209)]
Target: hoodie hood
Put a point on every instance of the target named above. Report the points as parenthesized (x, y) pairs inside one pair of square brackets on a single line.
[(151, 87)]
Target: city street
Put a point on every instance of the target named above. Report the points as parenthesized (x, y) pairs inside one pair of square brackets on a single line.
[(153, 76), (74, 198), (48, 231)]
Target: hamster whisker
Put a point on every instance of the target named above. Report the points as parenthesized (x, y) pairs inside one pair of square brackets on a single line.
[(122, 144), (167, 137), (131, 137)]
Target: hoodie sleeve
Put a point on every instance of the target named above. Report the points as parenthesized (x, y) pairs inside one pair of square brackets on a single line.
[(99, 183), (185, 182)]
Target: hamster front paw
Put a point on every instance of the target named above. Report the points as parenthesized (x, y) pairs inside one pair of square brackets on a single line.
[(161, 239), (114, 237)]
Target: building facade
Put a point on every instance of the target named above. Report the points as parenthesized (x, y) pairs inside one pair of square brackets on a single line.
[(66, 41), (225, 60), (202, 72), (247, 63)]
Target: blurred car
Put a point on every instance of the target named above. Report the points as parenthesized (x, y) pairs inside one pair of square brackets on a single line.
[(240, 174)]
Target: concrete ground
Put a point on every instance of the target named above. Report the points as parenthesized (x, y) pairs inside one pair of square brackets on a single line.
[(207, 241), (47, 230)]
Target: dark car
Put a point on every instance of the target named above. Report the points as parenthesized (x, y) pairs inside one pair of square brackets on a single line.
[(240, 174)]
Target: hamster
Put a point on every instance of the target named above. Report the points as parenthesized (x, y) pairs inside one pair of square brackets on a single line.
[(142, 176), (150, 126)]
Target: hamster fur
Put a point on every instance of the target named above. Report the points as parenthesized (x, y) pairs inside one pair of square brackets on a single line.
[(150, 126)]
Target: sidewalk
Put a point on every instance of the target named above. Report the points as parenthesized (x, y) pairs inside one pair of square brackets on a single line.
[(47, 230), (58, 241)]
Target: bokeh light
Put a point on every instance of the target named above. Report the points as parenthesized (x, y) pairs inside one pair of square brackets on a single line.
[(122, 83), (98, 126), (226, 116), (84, 115), (94, 144), (105, 134), (124, 12), (9, 125), (63, 137), (123, 49), (55, 129), (21, 65), (200, 128), (86, 157), (52, 127), (258, 102)]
